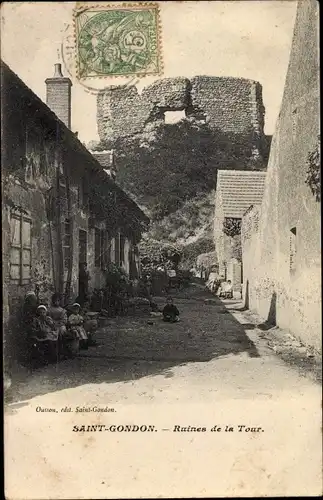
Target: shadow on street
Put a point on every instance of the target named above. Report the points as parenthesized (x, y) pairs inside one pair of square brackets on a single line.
[(143, 346)]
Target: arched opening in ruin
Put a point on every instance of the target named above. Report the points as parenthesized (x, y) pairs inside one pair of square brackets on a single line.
[(174, 116)]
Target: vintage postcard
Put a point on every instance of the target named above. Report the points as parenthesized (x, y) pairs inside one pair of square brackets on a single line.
[(117, 41), (161, 256)]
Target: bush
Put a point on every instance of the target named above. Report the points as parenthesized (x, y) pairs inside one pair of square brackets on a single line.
[(175, 158), (193, 250), (207, 262), (157, 254), (116, 277), (313, 174), (184, 277), (232, 226)]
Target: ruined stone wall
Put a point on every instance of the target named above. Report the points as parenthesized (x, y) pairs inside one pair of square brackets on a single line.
[(229, 104), (284, 287), (218, 234)]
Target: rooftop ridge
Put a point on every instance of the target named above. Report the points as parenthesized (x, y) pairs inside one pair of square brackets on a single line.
[(239, 190)]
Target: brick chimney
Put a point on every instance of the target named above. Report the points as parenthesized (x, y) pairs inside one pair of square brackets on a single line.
[(58, 95)]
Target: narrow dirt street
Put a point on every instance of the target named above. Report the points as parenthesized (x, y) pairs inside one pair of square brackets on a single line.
[(213, 368)]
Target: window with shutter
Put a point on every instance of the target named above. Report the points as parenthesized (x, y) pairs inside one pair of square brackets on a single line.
[(82, 246), (20, 249)]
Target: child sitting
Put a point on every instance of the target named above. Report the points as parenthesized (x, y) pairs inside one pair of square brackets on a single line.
[(170, 311), (75, 324), (90, 323), (58, 314), (44, 326)]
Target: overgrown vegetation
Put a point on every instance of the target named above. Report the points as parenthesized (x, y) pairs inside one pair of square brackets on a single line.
[(232, 226), (14, 206), (313, 174), (115, 276), (171, 170), (158, 255), (172, 163), (190, 222), (193, 250)]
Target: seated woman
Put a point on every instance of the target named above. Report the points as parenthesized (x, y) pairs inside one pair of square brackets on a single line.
[(44, 334), (29, 308), (226, 290), (75, 325), (28, 315), (58, 314)]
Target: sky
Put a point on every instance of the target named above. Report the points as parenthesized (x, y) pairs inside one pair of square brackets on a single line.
[(248, 39)]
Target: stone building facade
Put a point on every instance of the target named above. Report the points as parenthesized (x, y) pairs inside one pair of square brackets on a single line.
[(232, 105), (59, 207), (281, 239), (236, 190)]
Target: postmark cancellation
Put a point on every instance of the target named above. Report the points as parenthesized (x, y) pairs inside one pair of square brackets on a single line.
[(117, 40)]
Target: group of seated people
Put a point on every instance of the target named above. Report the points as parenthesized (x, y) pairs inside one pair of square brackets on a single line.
[(225, 290), (56, 330), (220, 287)]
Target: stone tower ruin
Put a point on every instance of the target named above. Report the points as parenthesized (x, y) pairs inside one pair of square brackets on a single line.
[(231, 105)]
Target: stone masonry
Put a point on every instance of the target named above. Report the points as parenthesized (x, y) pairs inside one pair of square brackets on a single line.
[(281, 239), (232, 105)]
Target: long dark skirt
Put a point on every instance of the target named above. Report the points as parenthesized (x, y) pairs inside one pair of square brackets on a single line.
[(44, 352)]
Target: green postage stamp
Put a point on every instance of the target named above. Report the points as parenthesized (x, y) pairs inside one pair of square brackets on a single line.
[(114, 40)]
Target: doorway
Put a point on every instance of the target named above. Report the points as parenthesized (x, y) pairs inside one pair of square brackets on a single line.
[(83, 274), (82, 246)]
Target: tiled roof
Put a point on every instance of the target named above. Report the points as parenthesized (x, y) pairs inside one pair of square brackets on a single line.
[(12, 82), (240, 189)]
